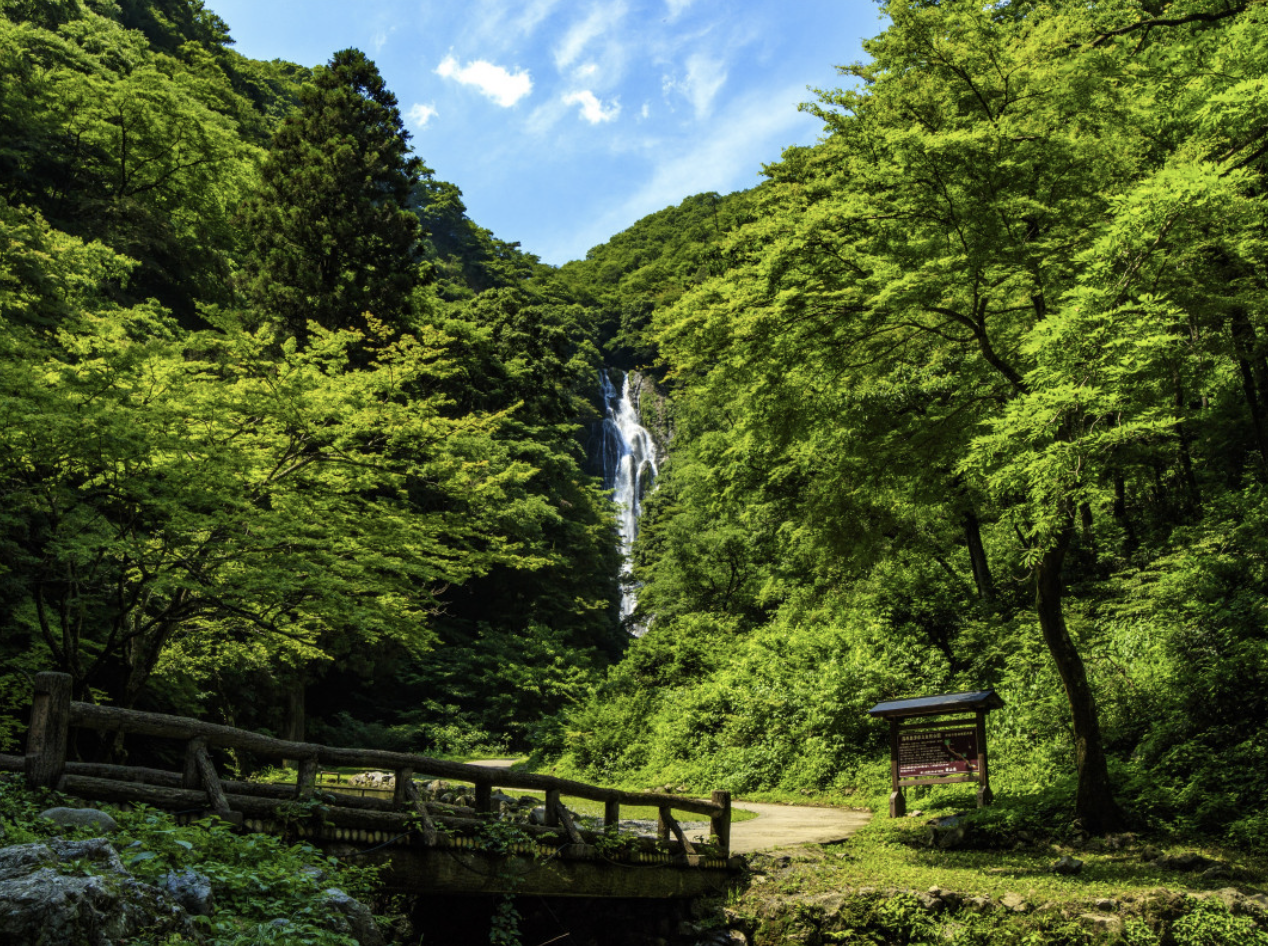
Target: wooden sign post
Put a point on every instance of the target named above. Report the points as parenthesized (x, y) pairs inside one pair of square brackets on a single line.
[(928, 751)]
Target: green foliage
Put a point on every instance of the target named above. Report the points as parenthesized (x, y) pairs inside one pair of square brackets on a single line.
[(257, 879), (1211, 924), (1004, 323), (331, 234)]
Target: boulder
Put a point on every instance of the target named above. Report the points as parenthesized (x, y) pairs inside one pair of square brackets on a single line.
[(948, 833), (191, 890), (355, 918), (1188, 862), (96, 821), (1067, 865), (40, 906), (1014, 902)]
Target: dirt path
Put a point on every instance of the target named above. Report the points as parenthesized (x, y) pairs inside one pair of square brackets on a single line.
[(789, 825), (775, 825)]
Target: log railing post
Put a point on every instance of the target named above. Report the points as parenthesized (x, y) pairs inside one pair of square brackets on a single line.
[(664, 820), (552, 807), (484, 796), (612, 813), (50, 726), (720, 825), (306, 777), (192, 778), (400, 786)]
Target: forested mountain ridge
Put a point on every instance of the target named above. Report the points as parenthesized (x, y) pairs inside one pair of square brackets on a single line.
[(975, 399), (971, 393), (237, 471)]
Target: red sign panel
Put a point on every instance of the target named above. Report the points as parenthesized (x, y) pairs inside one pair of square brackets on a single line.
[(937, 753)]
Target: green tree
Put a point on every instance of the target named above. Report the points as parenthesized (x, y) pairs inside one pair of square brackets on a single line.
[(331, 234)]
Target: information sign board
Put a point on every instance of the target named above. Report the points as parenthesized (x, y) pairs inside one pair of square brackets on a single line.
[(936, 753)]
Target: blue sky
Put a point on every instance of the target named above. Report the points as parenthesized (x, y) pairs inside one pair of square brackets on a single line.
[(565, 121)]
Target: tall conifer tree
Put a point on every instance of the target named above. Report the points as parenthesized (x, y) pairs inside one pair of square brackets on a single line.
[(331, 238)]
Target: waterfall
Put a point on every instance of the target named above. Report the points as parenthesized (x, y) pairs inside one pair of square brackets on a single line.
[(628, 455)]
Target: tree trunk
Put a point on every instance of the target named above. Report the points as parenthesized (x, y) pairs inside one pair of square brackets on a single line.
[(977, 557), (1120, 513), (295, 714), (1244, 343), (1095, 806)]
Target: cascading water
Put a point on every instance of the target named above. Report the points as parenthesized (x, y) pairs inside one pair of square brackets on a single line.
[(629, 469)]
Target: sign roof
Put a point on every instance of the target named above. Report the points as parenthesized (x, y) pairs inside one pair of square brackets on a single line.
[(936, 705)]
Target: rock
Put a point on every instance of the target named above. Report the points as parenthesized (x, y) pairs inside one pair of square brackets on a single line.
[(1014, 902), (316, 874), (498, 798), (537, 815), (355, 917), (1186, 863), (1107, 905), (949, 833), (191, 890), (91, 818), (40, 906), (1218, 872), (1102, 923), (929, 903), (978, 904), (1068, 866), (1255, 904), (915, 814)]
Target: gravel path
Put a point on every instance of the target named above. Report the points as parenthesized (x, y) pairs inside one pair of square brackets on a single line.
[(775, 825)]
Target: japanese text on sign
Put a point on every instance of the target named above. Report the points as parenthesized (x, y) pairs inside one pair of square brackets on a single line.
[(935, 753)]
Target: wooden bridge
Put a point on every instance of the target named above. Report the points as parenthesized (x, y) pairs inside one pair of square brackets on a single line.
[(423, 845)]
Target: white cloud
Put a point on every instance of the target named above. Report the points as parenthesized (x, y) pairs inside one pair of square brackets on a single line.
[(381, 38), (677, 7), (647, 110), (419, 114), (586, 71), (719, 161), (503, 87), (592, 109), (700, 86), (532, 14), (603, 18)]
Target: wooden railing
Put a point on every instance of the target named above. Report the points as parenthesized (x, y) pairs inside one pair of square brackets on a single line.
[(53, 713)]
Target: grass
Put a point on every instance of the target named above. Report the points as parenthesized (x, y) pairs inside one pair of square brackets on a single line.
[(889, 854)]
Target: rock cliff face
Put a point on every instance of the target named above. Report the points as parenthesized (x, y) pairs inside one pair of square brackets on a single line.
[(655, 412)]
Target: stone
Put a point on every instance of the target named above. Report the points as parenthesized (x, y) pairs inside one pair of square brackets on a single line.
[(355, 918), (1067, 866), (915, 814), (1218, 872), (1106, 905), (978, 904), (1186, 863), (191, 890), (40, 906), (90, 818), (1256, 904), (1102, 923), (949, 833), (537, 815), (1014, 902), (929, 903)]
